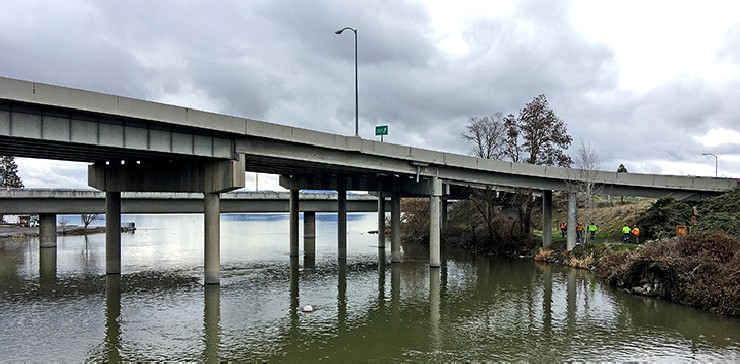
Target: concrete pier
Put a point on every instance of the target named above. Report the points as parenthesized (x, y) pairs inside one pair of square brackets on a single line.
[(572, 221), (113, 233), (48, 230), (434, 219), (47, 265), (381, 220), (212, 246), (294, 217), (309, 235), (395, 228), (342, 220), (546, 218)]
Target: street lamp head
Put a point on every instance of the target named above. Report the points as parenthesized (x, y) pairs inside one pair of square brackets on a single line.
[(345, 28)]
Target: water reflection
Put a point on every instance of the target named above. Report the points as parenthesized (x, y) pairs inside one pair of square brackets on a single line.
[(342, 296), (471, 309), (434, 305), (546, 270), (112, 346), (212, 322), (382, 265)]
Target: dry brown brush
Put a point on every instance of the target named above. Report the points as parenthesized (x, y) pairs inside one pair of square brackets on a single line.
[(699, 270)]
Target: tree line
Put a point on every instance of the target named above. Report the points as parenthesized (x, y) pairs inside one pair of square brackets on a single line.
[(536, 135)]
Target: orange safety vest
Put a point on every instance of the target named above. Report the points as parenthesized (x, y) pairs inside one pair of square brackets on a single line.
[(636, 232), (562, 226), (579, 227)]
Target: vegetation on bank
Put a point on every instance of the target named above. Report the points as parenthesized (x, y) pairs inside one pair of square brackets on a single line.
[(701, 269)]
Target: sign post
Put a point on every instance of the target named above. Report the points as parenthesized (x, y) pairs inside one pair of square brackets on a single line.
[(381, 130)]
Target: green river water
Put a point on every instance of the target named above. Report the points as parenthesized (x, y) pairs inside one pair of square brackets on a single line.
[(58, 305)]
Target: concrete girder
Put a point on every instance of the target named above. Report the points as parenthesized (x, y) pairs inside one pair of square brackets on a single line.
[(169, 176)]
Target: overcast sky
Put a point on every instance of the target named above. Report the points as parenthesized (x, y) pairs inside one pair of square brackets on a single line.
[(650, 84)]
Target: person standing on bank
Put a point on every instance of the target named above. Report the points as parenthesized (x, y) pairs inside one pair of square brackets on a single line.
[(592, 229), (626, 233), (563, 229), (579, 233), (636, 234)]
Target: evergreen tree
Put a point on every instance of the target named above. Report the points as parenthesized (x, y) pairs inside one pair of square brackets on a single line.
[(9, 173)]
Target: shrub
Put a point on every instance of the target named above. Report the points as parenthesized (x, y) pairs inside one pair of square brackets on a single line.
[(699, 270)]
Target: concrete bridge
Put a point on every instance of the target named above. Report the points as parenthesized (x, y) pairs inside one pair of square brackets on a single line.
[(61, 201), (141, 146)]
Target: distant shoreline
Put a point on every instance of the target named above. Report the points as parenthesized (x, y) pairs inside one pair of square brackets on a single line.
[(21, 232)]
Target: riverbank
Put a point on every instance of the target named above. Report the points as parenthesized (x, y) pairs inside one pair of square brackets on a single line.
[(700, 270)]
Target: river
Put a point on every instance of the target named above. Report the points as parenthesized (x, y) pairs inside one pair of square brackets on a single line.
[(472, 309)]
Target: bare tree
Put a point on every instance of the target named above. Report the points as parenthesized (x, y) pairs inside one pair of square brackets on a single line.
[(88, 219), (585, 180), (63, 221), (487, 134), (535, 136)]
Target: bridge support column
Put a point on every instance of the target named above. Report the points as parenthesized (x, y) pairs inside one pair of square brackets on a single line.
[(294, 217), (212, 218), (546, 218), (47, 265), (342, 219), (396, 227), (48, 230), (445, 205), (381, 220), (572, 220), (434, 219), (112, 232), (309, 235)]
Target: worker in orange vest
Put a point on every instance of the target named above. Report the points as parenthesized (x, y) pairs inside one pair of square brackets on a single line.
[(636, 234), (563, 229), (579, 233)]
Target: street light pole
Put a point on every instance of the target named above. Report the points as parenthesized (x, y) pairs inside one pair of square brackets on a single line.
[(715, 162), (357, 125)]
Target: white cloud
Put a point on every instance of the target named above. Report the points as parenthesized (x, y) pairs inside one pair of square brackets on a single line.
[(719, 136)]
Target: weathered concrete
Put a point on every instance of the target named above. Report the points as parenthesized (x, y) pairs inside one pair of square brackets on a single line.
[(572, 221), (381, 221), (309, 234), (212, 246), (395, 228), (294, 217), (342, 222), (546, 218), (171, 176), (434, 219), (113, 233), (63, 201), (130, 129), (47, 230), (48, 264)]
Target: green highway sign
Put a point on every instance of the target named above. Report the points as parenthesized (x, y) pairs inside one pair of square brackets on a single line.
[(381, 130)]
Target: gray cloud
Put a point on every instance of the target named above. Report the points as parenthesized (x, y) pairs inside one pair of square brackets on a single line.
[(280, 61)]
